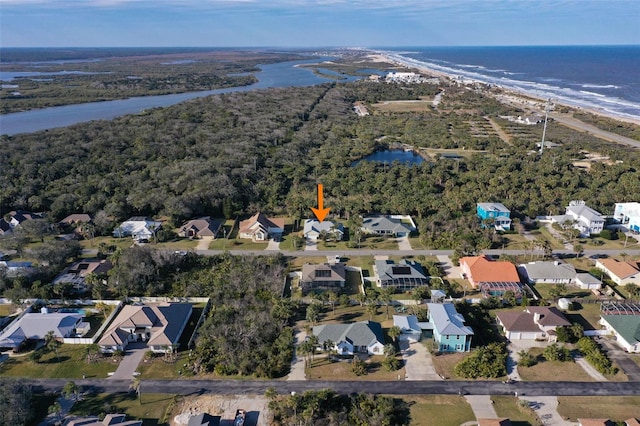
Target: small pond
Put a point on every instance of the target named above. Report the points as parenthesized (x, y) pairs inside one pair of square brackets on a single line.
[(390, 155)]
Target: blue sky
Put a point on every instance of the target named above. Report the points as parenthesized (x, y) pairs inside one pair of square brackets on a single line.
[(315, 23)]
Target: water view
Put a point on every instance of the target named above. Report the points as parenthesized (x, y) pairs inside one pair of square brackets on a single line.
[(388, 156)]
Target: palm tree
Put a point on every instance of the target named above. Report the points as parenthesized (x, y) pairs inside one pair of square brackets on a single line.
[(56, 409), (371, 309), (51, 343), (136, 386), (395, 332)]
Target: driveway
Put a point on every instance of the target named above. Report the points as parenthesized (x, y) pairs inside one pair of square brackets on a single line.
[(546, 407), (310, 245), (403, 243), (129, 364), (417, 361), (482, 406), (448, 267), (297, 363), (513, 348), (620, 357), (273, 245), (203, 244)]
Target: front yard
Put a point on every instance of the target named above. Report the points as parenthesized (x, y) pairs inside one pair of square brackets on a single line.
[(439, 410), (616, 408), (509, 407), (72, 365), (322, 368)]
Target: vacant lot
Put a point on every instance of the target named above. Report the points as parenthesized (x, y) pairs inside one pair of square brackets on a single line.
[(422, 105), (616, 408), (439, 410), (325, 369), (154, 409), (508, 407)]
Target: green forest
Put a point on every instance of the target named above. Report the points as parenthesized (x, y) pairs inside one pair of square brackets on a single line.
[(236, 154)]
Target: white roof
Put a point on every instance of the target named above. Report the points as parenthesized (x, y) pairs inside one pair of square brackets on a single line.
[(548, 270), (495, 207), (583, 211), (37, 325), (313, 225), (407, 323), (447, 320)]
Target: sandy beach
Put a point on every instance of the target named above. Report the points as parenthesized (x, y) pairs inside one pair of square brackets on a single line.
[(522, 99)]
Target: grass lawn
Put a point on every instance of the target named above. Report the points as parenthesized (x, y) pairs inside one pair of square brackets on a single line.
[(7, 309), (514, 241), (354, 314), (445, 363), (94, 243), (236, 244), (417, 244), (616, 408), (543, 233), (72, 365), (508, 407), (156, 368), (553, 371), (570, 291), (179, 244), (439, 410), (325, 369), (587, 314), (153, 410)]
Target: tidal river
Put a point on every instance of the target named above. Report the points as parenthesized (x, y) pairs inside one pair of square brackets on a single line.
[(283, 74)]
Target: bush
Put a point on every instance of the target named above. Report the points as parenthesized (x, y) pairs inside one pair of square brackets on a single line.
[(391, 363), (489, 361), (595, 356), (358, 366), (556, 353), (526, 359)]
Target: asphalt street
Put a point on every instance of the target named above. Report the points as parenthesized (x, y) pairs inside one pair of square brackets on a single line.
[(238, 387)]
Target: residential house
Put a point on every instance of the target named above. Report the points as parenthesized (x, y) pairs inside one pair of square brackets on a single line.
[(449, 331), (5, 227), (363, 337), (78, 271), (405, 275), (16, 217), (497, 212), (595, 422), (493, 278), (535, 323), (109, 420), (623, 321), (410, 327), (261, 228), (620, 272), (548, 272), (327, 276), (160, 326), (632, 422), (76, 218), (204, 419), (34, 326), (386, 226), (628, 214), (588, 282), (314, 230), (17, 269), (582, 218), (202, 227), (140, 228), (494, 422)]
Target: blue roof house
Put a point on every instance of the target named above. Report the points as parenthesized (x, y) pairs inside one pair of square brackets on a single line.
[(449, 330), (496, 211)]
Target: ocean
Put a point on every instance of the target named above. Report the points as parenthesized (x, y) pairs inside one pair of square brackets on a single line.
[(606, 78)]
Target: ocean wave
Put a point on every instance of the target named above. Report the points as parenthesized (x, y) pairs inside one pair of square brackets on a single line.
[(600, 86), (540, 88)]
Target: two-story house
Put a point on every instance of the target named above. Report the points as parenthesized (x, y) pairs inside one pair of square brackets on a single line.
[(449, 331), (497, 212)]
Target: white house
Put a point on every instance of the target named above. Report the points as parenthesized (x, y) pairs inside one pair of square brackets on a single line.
[(364, 337), (626, 328), (628, 214), (581, 217), (620, 273), (535, 323), (35, 326), (140, 228), (313, 229), (588, 281), (548, 272)]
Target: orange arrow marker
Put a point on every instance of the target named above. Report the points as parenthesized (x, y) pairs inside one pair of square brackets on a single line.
[(320, 212)]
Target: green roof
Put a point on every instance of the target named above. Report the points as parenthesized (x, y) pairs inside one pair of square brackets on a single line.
[(627, 326)]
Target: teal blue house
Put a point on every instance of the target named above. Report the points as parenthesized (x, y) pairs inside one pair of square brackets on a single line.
[(496, 211), (449, 331)]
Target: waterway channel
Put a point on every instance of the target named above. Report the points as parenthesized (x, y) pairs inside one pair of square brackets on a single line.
[(282, 74)]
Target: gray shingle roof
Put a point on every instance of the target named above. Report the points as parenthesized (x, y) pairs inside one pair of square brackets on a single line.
[(363, 333), (495, 207), (548, 270), (382, 223), (389, 270)]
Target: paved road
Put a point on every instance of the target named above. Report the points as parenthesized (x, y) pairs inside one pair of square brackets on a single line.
[(444, 387), (588, 128)]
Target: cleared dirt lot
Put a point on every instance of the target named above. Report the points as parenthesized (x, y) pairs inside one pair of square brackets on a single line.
[(224, 406)]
